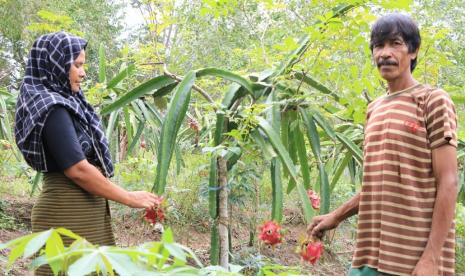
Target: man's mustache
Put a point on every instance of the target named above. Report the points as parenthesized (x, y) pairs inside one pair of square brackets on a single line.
[(386, 62)]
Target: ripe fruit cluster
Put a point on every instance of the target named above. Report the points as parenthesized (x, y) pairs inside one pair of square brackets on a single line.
[(310, 250), (157, 213)]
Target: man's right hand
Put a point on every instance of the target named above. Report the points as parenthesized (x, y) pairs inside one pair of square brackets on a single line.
[(322, 223)]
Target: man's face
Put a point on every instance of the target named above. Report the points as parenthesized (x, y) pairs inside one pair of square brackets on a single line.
[(76, 72), (393, 58)]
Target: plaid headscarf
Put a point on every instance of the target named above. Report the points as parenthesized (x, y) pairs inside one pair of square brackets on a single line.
[(45, 86)]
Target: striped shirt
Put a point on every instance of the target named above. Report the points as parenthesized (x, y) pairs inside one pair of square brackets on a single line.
[(399, 187)]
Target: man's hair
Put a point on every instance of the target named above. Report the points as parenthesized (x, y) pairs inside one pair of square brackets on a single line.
[(390, 26)]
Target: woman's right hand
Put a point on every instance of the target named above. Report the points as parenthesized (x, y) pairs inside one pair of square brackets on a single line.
[(142, 199), (322, 223)]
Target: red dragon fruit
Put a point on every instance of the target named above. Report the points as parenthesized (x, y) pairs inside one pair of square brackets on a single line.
[(314, 199), (270, 233), (311, 251), (157, 213)]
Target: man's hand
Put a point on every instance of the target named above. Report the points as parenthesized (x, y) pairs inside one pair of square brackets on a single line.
[(322, 223), (426, 266), (330, 221)]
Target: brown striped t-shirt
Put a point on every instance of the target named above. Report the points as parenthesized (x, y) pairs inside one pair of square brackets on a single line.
[(399, 187)]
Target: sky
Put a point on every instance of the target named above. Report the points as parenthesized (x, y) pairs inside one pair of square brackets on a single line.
[(132, 18)]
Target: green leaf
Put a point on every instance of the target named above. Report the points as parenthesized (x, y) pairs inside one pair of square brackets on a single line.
[(214, 245), (36, 243), (68, 233), (111, 124), (176, 251), (135, 139), (168, 236), (234, 92), (302, 153), (164, 90), (321, 121), (228, 75), (121, 76), (84, 265), (293, 57), (154, 112), (277, 145), (287, 162), (316, 84), (5, 118), (232, 156), (39, 261), (102, 68), (312, 134), (141, 90), (121, 263), (339, 170), (127, 122), (213, 188), (18, 245), (191, 254), (5, 93), (457, 99), (285, 134), (35, 182), (324, 189), (171, 124), (293, 124), (53, 248), (351, 146), (274, 113), (179, 160), (276, 190), (267, 148), (136, 110), (219, 130)]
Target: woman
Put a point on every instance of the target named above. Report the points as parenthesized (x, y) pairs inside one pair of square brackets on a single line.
[(60, 134)]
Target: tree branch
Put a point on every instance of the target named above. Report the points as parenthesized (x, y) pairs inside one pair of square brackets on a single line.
[(195, 87)]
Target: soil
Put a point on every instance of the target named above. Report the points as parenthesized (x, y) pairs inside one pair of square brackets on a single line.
[(130, 229), (20, 210)]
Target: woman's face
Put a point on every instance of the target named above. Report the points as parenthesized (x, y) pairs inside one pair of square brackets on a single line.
[(76, 72)]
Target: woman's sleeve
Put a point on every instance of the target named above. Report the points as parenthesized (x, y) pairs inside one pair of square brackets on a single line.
[(60, 139)]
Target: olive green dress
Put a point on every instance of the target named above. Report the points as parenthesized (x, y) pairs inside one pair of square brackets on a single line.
[(63, 203)]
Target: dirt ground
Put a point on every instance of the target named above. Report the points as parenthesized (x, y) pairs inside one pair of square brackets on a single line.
[(130, 229)]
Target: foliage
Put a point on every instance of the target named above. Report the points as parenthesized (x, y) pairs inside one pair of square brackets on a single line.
[(7, 221), (460, 237), (80, 258), (258, 87), (24, 20), (165, 257), (280, 87), (460, 221), (254, 263)]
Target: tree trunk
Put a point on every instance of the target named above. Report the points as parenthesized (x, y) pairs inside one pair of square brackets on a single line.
[(223, 219), (123, 145)]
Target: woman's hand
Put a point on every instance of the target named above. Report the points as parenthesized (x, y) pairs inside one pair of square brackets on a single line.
[(92, 180), (141, 199)]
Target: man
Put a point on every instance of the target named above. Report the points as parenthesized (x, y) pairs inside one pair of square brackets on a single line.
[(407, 202)]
